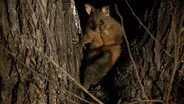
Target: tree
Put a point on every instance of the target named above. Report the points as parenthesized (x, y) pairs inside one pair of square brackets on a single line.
[(153, 72), (38, 52), (36, 38)]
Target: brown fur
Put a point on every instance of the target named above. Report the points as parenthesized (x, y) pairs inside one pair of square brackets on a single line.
[(105, 35)]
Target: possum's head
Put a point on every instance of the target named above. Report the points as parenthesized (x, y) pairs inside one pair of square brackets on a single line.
[(98, 19)]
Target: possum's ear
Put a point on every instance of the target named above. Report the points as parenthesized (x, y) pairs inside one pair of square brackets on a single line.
[(89, 8), (106, 10)]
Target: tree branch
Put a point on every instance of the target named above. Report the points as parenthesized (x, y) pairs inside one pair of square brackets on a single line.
[(130, 54), (133, 13)]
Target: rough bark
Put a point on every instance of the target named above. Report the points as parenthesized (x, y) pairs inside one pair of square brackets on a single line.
[(158, 57), (159, 61), (31, 31)]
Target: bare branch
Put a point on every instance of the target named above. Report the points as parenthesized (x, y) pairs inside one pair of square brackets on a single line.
[(152, 101), (176, 59), (130, 54), (133, 13), (54, 63)]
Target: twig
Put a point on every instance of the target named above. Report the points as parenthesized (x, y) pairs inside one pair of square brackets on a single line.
[(70, 100), (142, 101), (130, 54), (51, 81), (133, 13), (176, 58), (65, 72), (124, 78), (79, 97), (70, 77), (179, 84)]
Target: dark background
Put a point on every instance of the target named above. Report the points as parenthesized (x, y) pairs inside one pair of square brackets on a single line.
[(130, 23)]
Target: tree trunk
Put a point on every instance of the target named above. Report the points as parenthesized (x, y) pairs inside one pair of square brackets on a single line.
[(35, 37), (158, 57)]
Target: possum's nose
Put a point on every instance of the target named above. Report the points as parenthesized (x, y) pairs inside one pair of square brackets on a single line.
[(97, 29)]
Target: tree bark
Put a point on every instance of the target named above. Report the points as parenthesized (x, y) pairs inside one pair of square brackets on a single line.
[(158, 57), (33, 34)]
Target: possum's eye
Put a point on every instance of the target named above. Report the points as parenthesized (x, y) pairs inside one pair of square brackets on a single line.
[(92, 23), (101, 22)]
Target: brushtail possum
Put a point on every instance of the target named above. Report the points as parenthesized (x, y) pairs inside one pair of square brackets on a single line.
[(104, 36)]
